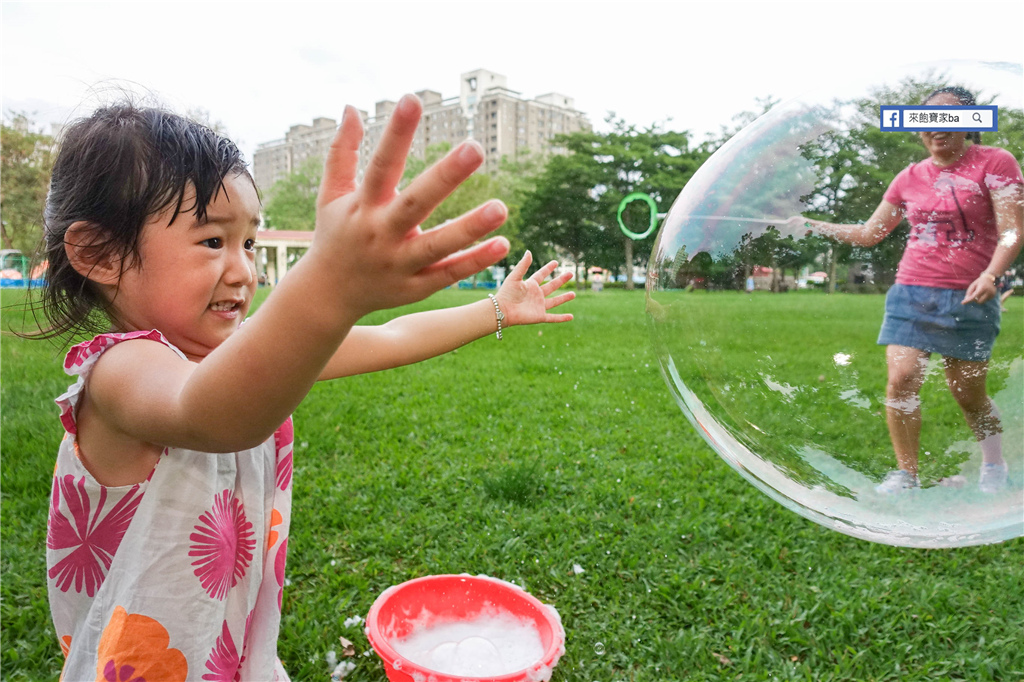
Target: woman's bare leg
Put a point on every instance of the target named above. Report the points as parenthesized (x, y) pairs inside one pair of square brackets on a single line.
[(903, 402), (966, 380)]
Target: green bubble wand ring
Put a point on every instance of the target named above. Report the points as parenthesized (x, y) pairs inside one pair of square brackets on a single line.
[(638, 196)]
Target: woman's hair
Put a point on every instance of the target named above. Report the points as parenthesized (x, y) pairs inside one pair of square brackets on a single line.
[(114, 170), (965, 97)]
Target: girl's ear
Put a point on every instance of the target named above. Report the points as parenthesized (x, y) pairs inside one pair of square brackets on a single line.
[(86, 251)]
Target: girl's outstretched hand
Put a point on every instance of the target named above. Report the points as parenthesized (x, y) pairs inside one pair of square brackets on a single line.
[(525, 301), (368, 246)]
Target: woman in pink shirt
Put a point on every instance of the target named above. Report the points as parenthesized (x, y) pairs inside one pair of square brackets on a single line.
[(963, 204)]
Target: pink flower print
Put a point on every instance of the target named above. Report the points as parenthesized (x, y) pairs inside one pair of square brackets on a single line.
[(284, 472), (224, 662), (223, 545), (88, 351), (111, 673), (279, 571), (67, 417), (77, 356), (284, 442), (285, 434), (96, 538)]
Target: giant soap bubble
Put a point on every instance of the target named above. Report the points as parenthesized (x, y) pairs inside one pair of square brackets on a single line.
[(787, 382)]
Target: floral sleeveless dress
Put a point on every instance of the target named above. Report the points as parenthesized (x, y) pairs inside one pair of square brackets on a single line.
[(179, 577)]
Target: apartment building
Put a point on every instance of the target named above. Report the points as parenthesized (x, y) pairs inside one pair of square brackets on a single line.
[(504, 123)]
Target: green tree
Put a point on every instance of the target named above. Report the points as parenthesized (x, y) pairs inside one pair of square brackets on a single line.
[(27, 158), (511, 183), (576, 198), (291, 202)]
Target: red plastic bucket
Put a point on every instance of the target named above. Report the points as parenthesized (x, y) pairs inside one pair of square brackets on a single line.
[(445, 598)]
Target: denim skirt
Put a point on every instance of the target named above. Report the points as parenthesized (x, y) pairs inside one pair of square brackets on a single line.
[(934, 320)]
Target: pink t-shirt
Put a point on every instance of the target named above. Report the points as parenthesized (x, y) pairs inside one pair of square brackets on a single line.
[(952, 223)]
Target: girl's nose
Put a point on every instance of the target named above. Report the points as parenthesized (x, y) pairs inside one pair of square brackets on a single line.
[(240, 269)]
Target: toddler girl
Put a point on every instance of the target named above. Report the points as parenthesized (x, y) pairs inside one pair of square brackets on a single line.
[(168, 525)]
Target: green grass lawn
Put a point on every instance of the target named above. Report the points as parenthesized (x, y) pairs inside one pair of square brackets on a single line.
[(560, 445)]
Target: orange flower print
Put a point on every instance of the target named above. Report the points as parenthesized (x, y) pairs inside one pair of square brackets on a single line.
[(134, 648), (275, 520)]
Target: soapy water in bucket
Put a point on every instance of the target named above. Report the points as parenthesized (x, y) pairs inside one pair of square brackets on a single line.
[(495, 643), (450, 628)]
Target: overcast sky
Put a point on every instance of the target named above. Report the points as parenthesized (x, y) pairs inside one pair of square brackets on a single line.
[(260, 67)]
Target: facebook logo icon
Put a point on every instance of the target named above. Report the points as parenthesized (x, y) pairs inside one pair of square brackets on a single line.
[(890, 117)]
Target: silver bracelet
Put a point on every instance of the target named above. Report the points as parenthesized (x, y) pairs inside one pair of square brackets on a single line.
[(497, 312)]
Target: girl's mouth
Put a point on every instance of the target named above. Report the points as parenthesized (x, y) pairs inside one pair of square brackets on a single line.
[(226, 307)]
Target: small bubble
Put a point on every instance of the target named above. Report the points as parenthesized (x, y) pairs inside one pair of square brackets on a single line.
[(599, 648)]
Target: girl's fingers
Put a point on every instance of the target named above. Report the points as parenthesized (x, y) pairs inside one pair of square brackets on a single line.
[(384, 171), (430, 188), (437, 245), (461, 265), (556, 301), (556, 283), (543, 272), (521, 267), (342, 159), (565, 317)]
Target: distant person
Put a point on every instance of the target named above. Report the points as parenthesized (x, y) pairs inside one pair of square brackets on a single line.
[(750, 284), (963, 204), (171, 498), (1005, 290)]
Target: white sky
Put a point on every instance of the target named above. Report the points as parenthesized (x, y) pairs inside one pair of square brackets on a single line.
[(260, 67)]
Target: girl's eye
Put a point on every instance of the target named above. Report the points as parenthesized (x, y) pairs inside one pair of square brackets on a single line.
[(213, 242), (250, 244)]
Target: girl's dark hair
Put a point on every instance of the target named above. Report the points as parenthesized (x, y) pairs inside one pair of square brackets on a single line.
[(965, 97), (114, 170)]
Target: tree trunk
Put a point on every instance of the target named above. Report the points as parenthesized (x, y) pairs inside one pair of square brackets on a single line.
[(8, 244), (629, 264), (831, 272)]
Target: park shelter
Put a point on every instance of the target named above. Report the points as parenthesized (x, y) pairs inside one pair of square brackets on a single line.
[(276, 249)]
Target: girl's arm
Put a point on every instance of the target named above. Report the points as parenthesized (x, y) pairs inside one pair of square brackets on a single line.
[(368, 254), (1008, 205), (419, 336), (883, 221)]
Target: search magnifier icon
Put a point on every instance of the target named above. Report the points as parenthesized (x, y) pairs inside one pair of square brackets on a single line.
[(977, 117)]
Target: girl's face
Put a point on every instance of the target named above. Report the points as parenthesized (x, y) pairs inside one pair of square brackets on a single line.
[(944, 147), (194, 282)]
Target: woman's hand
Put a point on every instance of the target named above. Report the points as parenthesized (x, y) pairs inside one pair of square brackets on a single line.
[(797, 227), (526, 301), (982, 289)]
